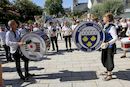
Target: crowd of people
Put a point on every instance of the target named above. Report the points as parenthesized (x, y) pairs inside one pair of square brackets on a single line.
[(114, 29)]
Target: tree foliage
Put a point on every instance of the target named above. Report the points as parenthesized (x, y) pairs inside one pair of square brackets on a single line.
[(54, 7), (27, 9), (114, 6), (98, 10), (7, 11), (22, 10), (4, 3)]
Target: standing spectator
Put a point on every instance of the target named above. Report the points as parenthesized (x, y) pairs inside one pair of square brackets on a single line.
[(67, 34), (6, 48), (53, 36), (76, 23), (22, 30), (30, 27), (59, 28), (36, 27), (117, 25), (124, 27)]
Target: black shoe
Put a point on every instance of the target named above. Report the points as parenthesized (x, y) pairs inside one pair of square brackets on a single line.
[(25, 79), (22, 78), (70, 49), (66, 49), (30, 75)]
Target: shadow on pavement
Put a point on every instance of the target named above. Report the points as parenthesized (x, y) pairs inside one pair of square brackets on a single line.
[(69, 76), (61, 52), (119, 50), (8, 69), (18, 82), (123, 75)]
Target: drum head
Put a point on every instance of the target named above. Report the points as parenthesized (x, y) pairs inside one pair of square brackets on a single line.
[(88, 36), (125, 40), (34, 47)]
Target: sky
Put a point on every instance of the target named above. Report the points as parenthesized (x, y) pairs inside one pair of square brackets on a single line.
[(66, 3)]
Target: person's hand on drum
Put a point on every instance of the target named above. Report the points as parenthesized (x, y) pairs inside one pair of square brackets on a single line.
[(20, 43), (104, 45)]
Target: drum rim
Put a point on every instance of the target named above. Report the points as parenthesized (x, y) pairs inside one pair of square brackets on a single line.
[(34, 34)]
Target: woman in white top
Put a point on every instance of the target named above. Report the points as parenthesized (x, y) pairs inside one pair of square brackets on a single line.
[(108, 45), (67, 34)]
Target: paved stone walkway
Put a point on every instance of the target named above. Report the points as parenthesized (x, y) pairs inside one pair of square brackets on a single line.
[(70, 69)]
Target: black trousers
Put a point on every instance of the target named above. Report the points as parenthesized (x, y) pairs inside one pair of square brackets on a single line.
[(108, 58), (17, 56), (60, 35), (68, 39), (54, 39), (7, 52)]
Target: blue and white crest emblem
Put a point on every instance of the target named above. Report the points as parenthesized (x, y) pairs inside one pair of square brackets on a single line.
[(88, 36)]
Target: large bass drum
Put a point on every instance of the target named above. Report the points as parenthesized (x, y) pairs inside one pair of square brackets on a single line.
[(36, 45), (88, 36)]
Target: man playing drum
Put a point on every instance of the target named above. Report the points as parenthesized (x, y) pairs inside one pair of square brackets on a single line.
[(12, 40)]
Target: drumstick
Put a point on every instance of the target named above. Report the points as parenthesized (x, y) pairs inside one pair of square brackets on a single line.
[(27, 42)]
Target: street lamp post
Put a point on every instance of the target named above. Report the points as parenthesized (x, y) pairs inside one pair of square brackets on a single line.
[(89, 11)]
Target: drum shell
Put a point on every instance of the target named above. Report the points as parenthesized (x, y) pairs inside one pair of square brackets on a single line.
[(44, 36), (125, 44)]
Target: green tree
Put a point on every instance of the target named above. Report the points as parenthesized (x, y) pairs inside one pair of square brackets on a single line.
[(54, 7), (7, 11), (114, 6), (27, 9), (98, 10)]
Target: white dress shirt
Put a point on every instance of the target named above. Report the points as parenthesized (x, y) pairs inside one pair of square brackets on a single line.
[(128, 32), (124, 25), (36, 29), (51, 32), (12, 40), (22, 31), (74, 26), (66, 31)]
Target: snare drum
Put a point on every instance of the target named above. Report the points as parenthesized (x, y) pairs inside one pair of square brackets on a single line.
[(125, 43), (36, 45)]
